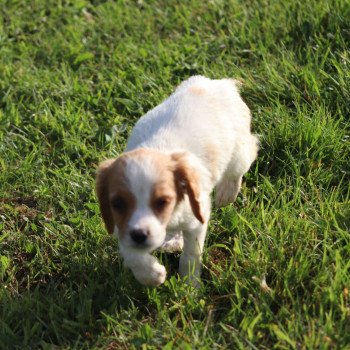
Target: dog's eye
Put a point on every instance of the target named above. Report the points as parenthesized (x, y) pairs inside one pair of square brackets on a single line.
[(119, 204), (161, 203)]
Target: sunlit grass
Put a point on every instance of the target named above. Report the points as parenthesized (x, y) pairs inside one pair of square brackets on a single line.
[(74, 78)]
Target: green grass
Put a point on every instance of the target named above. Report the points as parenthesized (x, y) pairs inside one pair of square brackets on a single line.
[(74, 78)]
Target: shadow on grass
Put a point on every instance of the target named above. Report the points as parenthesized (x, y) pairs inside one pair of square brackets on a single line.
[(70, 308)]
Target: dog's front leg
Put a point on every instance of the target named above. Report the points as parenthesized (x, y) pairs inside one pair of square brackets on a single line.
[(145, 267), (191, 258)]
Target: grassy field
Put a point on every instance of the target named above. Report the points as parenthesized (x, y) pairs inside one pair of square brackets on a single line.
[(74, 78)]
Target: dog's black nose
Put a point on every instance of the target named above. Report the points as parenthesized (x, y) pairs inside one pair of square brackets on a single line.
[(138, 236)]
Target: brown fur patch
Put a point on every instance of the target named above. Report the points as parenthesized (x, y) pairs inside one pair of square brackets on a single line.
[(121, 216), (102, 192), (164, 198), (112, 185), (197, 90), (188, 181)]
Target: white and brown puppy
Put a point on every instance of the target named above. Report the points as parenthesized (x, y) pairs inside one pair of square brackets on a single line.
[(157, 194)]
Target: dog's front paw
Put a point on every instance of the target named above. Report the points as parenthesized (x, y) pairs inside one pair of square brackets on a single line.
[(152, 277), (175, 244)]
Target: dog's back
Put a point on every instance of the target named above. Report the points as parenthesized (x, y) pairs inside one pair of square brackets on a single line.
[(205, 117)]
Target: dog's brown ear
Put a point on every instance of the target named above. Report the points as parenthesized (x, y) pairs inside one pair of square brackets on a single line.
[(187, 181), (102, 194)]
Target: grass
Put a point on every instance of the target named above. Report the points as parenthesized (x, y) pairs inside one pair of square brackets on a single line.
[(76, 75)]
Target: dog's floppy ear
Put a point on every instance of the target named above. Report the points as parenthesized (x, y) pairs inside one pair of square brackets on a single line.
[(187, 181), (102, 194)]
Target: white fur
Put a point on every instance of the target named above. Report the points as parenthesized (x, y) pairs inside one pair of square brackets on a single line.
[(174, 243), (208, 120), (143, 216)]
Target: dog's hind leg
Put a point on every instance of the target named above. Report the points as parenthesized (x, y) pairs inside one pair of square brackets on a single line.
[(227, 190), (228, 187)]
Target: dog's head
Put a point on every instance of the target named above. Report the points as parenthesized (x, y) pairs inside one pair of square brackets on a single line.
[(139, 191)]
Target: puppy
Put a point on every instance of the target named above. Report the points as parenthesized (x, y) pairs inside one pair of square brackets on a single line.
[(157, 194)]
